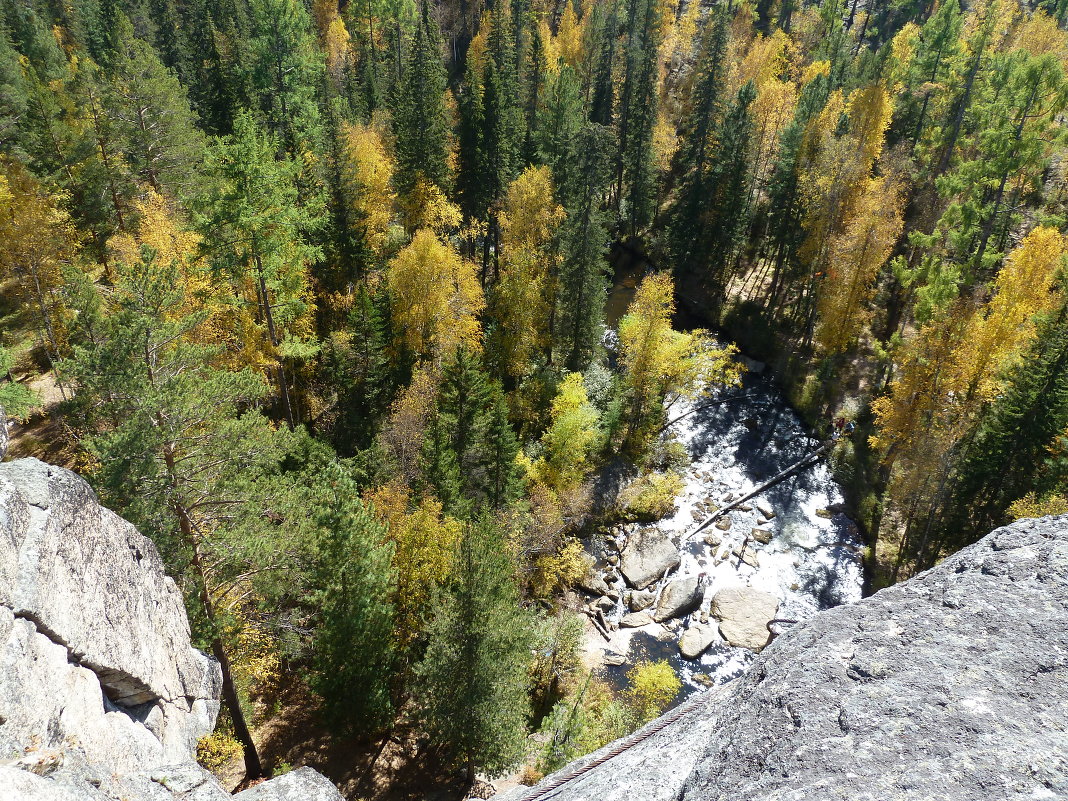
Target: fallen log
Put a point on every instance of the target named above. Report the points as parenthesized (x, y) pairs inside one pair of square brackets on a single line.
[(806, 461)]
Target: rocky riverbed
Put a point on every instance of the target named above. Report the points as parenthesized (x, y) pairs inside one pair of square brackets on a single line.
[(704, 601)]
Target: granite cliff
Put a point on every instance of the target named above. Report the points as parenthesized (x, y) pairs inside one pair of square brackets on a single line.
[(102, 696), (952, 686)]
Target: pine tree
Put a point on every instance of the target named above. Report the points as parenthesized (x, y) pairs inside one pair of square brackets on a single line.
[(420, 124), (471, 187), (354, 581), (173, 453), (285, 70), (697, 149), (602, 104), (358, 374), (152, 121), (255, 218), (580, 301), (561, 120), (472, 683)]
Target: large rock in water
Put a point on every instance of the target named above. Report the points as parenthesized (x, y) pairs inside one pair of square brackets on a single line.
[(102, 696), (950, 686), (744, 614), (648, 555), (679, 596)]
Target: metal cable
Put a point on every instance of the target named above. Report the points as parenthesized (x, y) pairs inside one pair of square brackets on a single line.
[(544, 791)]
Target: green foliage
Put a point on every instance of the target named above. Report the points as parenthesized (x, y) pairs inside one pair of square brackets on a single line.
[(653, 686), (16, 401), (353, 578), (419, 121), (471, 684)]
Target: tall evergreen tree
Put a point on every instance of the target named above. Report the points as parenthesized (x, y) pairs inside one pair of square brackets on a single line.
[(635, 193), (173, 453), (150, 114), (585, 244), (285, 70), (471, 684), (252, 228), (420, 124), (353, 585), (1002, 461)]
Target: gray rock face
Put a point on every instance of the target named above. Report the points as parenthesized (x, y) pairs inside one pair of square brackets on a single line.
[(641, 599), (648, 555), (679, 596), (950, 686), (302, 784), (102, 696), (744, 614)]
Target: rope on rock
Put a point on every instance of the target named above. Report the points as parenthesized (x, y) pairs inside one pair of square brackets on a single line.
[(542, 791)]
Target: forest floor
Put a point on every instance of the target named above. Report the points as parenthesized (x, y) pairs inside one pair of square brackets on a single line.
[(398, 768)]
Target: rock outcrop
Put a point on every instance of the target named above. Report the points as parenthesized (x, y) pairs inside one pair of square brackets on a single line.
[(679, 596), (102, 696), (952, 685)]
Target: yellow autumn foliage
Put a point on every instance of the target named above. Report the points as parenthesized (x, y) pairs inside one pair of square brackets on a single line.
[(436, 297)]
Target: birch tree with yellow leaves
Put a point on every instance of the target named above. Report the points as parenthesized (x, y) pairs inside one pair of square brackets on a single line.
[(436, 297), (954, 367)]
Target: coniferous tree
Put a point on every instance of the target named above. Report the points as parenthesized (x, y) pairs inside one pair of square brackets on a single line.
[(353, 590), (285, 72), (154, 126), (1005, 457), (174, 455), (420, 124), (635, 192), (252, 232), (602, 103), (472, 682), (580, 302)]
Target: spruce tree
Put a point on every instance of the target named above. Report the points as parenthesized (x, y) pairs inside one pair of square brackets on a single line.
[(420, 124), (471, 684), (471, 186), (636, 171), (353, 581), (583, 276), (1004, 458)]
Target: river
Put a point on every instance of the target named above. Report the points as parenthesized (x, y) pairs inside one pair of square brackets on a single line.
[(812, 562)]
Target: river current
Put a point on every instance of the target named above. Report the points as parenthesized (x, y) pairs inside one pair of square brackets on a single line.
[(812, 561)]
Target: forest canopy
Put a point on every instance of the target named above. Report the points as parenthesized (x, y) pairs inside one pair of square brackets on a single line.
[(314, 293)]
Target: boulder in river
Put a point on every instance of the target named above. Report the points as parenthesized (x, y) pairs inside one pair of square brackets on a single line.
[(765, 509), (648, 555), (724, 524), (604, 603), (744, 614), (763, 536), (679, 596), (592, 582), (636, 620), (696, 639), (641, 599)]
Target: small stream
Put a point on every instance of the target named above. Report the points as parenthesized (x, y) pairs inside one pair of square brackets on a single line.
[(813, 559)]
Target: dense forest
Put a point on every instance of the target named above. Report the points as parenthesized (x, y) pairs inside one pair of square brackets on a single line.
[(315, 296)]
